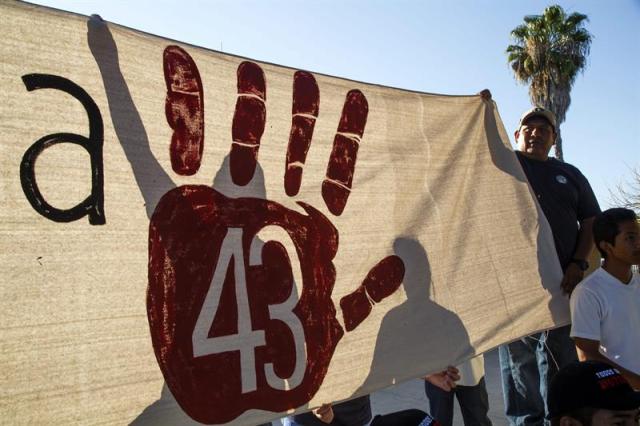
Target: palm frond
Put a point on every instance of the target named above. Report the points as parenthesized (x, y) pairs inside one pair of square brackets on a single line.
[(548, 52)]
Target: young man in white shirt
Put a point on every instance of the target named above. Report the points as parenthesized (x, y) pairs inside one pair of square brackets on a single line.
[(605, 307)]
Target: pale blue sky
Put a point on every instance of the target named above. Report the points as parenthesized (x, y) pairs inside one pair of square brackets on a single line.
[(435, 46)]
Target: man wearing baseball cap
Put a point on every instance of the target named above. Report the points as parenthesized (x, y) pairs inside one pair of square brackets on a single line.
[(592, 393), (568, 203)]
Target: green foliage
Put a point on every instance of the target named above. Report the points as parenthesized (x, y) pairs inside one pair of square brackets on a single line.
[(548, 52)]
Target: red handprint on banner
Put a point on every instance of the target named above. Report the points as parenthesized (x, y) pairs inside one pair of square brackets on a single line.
[(237, 323)]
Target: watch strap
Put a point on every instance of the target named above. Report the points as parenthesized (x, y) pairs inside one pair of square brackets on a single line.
[(582, 264)]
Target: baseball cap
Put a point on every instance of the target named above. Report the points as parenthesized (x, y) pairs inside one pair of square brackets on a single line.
[(539, 112), (591, 384)]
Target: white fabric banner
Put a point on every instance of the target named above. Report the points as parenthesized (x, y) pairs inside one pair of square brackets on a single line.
[(190, 236)]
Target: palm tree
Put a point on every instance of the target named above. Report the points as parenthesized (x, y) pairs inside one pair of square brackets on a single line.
[(549, 52)]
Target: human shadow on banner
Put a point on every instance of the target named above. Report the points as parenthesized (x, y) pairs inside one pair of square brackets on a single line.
[(419, 334), (152, 180), (505, 160)]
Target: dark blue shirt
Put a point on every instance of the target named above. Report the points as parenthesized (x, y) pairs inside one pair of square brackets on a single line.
[(566, 198)]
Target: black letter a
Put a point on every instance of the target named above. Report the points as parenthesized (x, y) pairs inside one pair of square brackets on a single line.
[(93, 205)]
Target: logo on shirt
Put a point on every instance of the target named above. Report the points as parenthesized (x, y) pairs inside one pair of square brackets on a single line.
[(561, 179)]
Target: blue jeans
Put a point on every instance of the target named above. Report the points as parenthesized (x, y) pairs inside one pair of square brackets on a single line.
[(527, 366), (473, 400)]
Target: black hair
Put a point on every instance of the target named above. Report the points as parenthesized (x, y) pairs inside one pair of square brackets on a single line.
[(606, 225), (583, 414)]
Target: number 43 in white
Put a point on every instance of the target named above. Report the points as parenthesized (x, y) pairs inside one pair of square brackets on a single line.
[(247, 339)]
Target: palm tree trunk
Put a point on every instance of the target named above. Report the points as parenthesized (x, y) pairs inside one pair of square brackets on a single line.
[(558, 146)]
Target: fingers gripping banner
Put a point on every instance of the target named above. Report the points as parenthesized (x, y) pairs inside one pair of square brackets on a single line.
[(188, 236)]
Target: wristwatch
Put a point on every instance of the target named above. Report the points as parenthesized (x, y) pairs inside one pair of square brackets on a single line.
[(582, 264)]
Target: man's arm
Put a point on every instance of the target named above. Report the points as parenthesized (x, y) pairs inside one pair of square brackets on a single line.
[(324, 413), (321, 416), (590, 350), (446, 379), (573, 274)]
